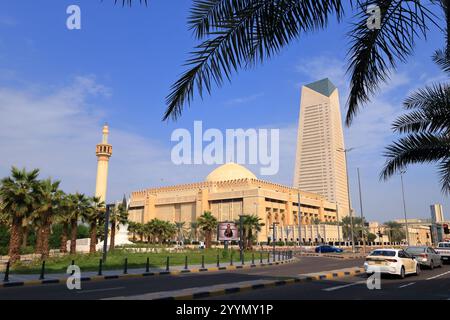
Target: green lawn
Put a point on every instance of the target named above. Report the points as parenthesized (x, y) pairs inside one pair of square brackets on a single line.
[(90, 262)]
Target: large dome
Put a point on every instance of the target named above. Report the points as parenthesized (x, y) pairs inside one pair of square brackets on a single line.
[(230, 171)]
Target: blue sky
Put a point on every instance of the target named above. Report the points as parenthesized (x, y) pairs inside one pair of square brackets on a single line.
[(57, 88)]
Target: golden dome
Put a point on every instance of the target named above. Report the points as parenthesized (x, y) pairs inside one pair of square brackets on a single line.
[(230, 171)]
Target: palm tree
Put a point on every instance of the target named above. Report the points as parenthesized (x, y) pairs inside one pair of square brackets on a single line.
[(118, 217), (194, 230), (48, 201), (180, 229), (91, 215), (132, 227), (427, 129), (251, 223), (208, 223), (18, 195), (243, 33), (63, 217), (80, 204), (395, 231)]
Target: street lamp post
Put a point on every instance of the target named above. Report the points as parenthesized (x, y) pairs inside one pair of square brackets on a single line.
[(105, 241), (346, 151), (241, 236), (362, 214), (404, 207), (338, 225), (299, 218), (274, 235)]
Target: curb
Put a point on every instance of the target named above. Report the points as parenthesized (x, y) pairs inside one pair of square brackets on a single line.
[(275, 283), (332, 256), (140, 275)]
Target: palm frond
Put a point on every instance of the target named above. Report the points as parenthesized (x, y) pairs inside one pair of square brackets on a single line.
[(374, 53), (130, 2), (415, 148), (432, 112), (240, 32), (442, 60)]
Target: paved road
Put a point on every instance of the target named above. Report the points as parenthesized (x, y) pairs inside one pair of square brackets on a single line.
[(132, 287), (429, 285)]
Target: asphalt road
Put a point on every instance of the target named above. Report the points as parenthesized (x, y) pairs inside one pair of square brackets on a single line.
[(143, 285), (430, 284)]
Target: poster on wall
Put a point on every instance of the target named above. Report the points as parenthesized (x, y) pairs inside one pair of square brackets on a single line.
[(228, 231)]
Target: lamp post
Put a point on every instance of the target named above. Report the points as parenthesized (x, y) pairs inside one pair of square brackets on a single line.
[(274, 225), (299, 218), (362, 215), (338, 224), (404, 207), (241, 237), (346, 151), (105, 241)]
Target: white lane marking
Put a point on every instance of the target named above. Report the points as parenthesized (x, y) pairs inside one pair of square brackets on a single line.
[(439, 275), (407, 285), (343, 286), (99, 290)]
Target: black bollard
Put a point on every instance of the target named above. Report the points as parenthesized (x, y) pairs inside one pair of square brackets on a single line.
[(147, 265), (268, 257), (203, 262), (42, 276), (167, 264), (253, 259), (125, 267), (243, 258), (218, 261), (231, 259), (185, 263), (260, 257), (100, 267), (73, 263), (6, 278)]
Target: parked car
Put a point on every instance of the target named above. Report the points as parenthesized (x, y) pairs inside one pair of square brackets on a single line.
[(426, 256), (443, 249), (328, 249), (391, 261)]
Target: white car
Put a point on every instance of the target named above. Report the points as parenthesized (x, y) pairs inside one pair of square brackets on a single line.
[(391, 261)]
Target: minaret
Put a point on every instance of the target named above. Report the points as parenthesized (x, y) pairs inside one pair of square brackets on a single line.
[(103, 152)]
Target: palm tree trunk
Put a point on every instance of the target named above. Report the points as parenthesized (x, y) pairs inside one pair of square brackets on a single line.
[(24, 237), (15, 239), (64, 236), (38, 247), (208, 239), (73, 236), (113, 236), (45, 248), (93, 237)]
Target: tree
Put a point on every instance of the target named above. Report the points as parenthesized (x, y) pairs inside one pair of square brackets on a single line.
[(194, 230), (243, 33), (207, 223), (48, 200), (118, 217), (79, 205), (64, 218), (371, 237), (251, 223), (91, 214), (180, 229), (359, 228), (395, 231), (132, 227), (427, 128), (18, 194)]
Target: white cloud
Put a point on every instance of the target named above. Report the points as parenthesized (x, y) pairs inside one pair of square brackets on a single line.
[(242, 100), (57, 132)]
